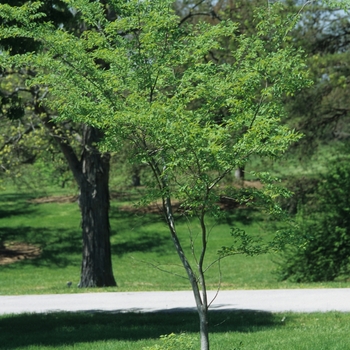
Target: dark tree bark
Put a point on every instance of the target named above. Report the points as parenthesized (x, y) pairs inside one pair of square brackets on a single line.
[(91, 173), (96, 269)]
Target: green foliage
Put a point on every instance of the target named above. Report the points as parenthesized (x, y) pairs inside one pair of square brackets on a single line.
[(174, 342), (51, 169), (11, 107), (158, 91), (321, 112), (340, 4), (151, 84), (243, 244), (301, 188), (324, 232)]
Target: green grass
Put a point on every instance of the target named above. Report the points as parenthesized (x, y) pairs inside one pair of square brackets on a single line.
[(229, 330), (141, 249)]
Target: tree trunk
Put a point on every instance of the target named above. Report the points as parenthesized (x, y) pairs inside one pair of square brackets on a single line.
[(201, 301), (239, 174), (96, 269), (204, 331), (135, 180), (91, 173)]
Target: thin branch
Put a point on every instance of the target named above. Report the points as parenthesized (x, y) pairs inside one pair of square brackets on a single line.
[(258, 108), (218, 179), (184, 19), (159, 268), (219, 285), (219, 259), (192, 240), (81, 73)]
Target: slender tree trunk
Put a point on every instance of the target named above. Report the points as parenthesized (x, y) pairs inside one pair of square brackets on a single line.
[(239, 174), (201, 300), (203, 310), (96, 269), (204, 330)]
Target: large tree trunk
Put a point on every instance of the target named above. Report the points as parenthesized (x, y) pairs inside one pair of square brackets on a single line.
[(96, 269), (91, 173)]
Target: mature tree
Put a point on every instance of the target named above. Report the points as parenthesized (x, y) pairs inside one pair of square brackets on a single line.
[(29, 129), (30, 138), (322, 111), (191, 120)]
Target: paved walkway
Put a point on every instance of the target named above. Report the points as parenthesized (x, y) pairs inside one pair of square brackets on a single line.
[(279, 300)]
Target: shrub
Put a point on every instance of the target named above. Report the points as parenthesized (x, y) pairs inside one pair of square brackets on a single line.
[(323, 253), (302, 188)]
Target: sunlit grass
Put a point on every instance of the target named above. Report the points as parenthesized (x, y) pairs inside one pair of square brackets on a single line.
[(143, 255)]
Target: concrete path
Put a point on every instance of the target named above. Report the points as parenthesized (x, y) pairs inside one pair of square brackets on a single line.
[(279, 300)]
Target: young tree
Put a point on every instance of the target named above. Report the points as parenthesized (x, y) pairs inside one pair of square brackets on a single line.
[(191, 120)]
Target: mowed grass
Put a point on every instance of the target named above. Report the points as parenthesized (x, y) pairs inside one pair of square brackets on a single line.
[(142, 251), (228, 330)]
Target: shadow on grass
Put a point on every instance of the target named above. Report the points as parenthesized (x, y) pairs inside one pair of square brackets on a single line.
[(137, 232), (144, 243), (57, 246), (245, 216), (61, 246), (13, 204), (141, 232), (56, 329)]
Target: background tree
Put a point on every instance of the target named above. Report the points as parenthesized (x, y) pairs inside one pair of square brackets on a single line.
[(322, 111), (30, 129)]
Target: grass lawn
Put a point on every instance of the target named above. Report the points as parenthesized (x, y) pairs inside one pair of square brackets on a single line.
[(141, 251), (141, 248), (229, 330)]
